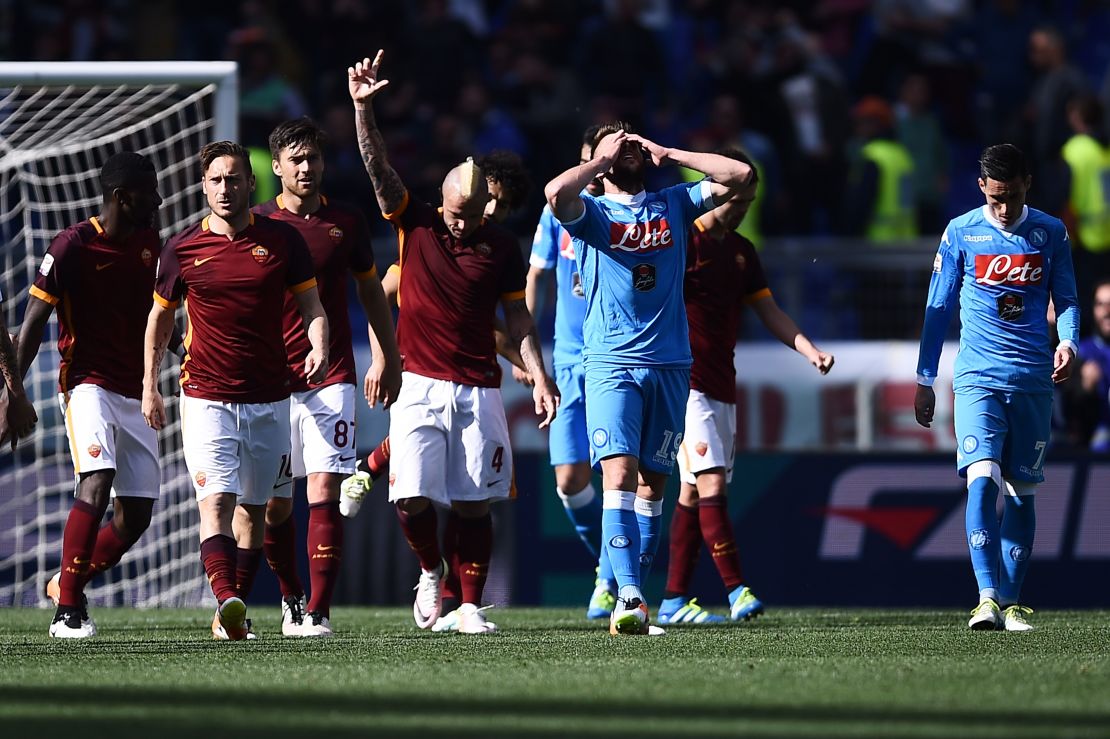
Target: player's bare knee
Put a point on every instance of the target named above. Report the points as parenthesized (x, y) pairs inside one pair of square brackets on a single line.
[(131, 516), (278, 511), (323, 487), (412, 506), (572, 478), (984, 468), (688, 495), (712, 483), (654, 485), (95, 488)]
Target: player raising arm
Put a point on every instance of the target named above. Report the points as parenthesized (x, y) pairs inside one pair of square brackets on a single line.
[(233, 270), (450, 440), (723, 274), (1002, 262), (630, 246)]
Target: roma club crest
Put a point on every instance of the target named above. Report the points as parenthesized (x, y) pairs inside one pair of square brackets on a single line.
[(260, 253)]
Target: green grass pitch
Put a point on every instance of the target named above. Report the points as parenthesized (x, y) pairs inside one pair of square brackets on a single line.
[(810, 672)]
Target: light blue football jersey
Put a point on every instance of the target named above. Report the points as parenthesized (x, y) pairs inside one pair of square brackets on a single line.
[(1003, 280), (631, 253), (552, 248)]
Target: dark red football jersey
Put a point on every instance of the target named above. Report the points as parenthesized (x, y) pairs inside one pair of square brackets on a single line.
[(102, 293), (339, 241), (234, 292), (448, 294), (721, 277)]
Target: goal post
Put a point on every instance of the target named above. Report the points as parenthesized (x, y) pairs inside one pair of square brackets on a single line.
[(59, 121)]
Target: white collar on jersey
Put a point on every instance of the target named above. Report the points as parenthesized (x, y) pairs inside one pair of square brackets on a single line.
[(991, 219), (623, 198)]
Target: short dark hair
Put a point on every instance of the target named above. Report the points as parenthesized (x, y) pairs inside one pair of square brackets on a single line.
[(211, 152), (1089, 109), (121, 170), (607, 128), (507, 169), (296, 133), (1003, 162), (1101, 283), (590, 135)]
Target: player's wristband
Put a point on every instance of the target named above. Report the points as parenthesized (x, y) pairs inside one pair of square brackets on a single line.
[(925, 381)]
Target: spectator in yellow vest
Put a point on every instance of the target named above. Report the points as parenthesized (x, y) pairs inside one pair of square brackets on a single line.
[(1087, 154), (879, 202)]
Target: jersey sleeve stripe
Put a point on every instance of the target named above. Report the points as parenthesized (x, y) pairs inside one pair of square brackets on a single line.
[(369, 274), (41, 294), (699, 225), (515, 295), (165, 303), (300, 287), (757, 295), (395, 216)]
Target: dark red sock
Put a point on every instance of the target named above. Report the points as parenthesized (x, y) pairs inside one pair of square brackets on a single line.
[(325, 553), (475, 548), (108, 551), (378, 461), (247, 562), (78, 540), (452, 588), (685, 545), (716, 529), (279, 545), (218, 555), (423, 539)]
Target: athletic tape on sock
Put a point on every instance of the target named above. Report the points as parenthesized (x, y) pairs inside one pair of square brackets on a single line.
[(645, 507), (618, 500)]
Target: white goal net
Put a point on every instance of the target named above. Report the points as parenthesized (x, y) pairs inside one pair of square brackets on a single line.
[(58, 123)]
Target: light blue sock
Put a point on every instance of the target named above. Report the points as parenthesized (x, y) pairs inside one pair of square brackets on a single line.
[(981, 525), (621, 535), (649, 517), (604, 566), (584, 511), (1019, 524)]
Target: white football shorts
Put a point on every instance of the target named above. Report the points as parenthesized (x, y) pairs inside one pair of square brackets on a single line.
[(448, 442), (710, 439), (240, 448), (322, 430), (107, 431)]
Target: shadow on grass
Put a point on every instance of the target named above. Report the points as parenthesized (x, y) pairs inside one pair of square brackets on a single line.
[(165, 712)]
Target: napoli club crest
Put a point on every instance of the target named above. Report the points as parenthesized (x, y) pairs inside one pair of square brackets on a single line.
[(1038, 236), (1010, 306), (643, 277), (970, 444)]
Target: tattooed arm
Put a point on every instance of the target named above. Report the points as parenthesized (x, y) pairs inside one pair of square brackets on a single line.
[(522, 333), (363, 84), (18, 417)]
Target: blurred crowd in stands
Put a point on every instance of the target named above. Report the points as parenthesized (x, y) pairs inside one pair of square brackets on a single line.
[(865, 117)]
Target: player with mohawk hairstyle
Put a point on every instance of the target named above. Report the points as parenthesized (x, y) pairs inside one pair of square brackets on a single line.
[(449, 435)]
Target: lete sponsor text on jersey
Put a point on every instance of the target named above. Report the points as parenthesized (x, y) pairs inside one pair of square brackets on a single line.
[(642, 236), (1009, 269)]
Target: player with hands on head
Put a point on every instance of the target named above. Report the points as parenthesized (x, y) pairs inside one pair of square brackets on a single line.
[(99, 275), (630, 246), (1000, 264), (723, 275), (450, 439), (233, 271)]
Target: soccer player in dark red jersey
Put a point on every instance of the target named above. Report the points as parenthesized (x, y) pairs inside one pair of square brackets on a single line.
[(508, 184), (99, 274), (323, 416), (723, 274), (233, 270), (450, 440)]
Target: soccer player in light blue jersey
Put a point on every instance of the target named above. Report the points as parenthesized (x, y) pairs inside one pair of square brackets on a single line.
[(630, 247), (1003, 262), (553, 250)]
